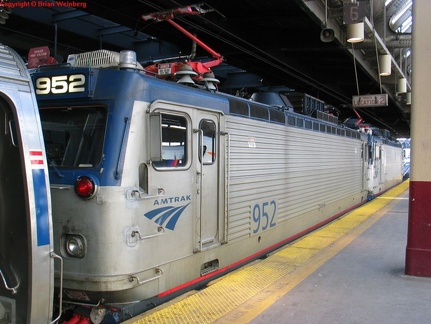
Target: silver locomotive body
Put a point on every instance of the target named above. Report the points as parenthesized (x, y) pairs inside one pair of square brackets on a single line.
[(158, 188)]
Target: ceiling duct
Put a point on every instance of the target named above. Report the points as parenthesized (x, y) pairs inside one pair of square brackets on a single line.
[(401, 15)]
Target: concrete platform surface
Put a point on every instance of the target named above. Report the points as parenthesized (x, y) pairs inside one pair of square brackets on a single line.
[(364, 283)]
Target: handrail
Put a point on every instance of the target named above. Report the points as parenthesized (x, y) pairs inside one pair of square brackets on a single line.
[(11, 130), (56, 256), (13, 289), (137, 194), (227, 179), (159, 273), (160, 229), (200, 174)]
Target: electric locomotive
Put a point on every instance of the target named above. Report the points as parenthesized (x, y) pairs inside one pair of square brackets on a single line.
[(158, 187)]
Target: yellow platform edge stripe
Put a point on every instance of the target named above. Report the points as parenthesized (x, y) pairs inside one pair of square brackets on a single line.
[(242, 295)]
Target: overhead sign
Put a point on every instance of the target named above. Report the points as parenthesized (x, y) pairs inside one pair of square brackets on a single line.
[(373, 100), (37, 55), (354, 12)]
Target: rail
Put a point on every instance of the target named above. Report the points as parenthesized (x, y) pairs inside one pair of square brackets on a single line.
[(159, 274), (13, 289), (135, 194), (56, 256), (160, 230), (200, 175)]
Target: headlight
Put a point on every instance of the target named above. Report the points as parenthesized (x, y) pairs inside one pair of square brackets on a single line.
[(75, 245)]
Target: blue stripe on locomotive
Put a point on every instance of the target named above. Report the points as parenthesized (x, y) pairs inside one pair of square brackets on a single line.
[(41, 201), (118, 89)]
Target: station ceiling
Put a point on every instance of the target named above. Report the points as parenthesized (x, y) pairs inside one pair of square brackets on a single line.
[(266, 44)]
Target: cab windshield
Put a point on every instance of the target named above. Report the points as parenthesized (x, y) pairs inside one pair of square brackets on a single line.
[(73, 135)]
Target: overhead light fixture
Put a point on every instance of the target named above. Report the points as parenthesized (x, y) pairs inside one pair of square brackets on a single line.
[(355, 32), (385, 64), (409, 98), (402, 85)]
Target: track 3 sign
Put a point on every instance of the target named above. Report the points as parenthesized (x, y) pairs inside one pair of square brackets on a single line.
[(373, 100)]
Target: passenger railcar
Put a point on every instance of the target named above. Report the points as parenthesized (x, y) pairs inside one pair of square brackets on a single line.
[(159, 187), (26, 243)]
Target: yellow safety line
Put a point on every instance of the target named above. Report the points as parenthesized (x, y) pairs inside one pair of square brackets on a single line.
[(242, 295)]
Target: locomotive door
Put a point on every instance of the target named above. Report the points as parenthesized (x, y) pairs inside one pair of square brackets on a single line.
[(365, 156), (26, 265), (210, 197)]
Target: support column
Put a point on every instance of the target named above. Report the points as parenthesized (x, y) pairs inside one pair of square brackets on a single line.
[(418, 253)]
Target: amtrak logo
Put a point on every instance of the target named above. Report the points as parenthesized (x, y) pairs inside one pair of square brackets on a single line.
[(168, 215)]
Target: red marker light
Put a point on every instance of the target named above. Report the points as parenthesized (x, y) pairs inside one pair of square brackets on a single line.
[(85, 187)]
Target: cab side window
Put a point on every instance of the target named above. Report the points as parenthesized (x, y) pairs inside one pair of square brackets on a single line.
[(174, 139), (208, 146)]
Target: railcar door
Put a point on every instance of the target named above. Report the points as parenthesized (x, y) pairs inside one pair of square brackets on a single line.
[(210, 194), (26, 265), (365, 156), (187, 154)]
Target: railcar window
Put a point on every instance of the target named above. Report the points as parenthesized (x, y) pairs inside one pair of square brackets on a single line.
[(209, 141), (291, 120), (277, 116), (238, 107), (174, 138), (259, 112), (299, 122), (333, 130), (73, 135)]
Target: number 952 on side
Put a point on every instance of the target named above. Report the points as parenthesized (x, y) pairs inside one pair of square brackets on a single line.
[(263, 216)]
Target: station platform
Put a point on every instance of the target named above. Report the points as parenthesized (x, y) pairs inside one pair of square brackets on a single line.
[(349, 271)]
